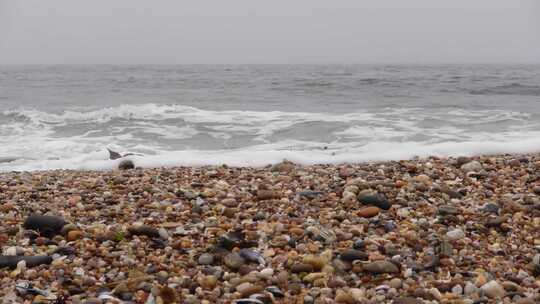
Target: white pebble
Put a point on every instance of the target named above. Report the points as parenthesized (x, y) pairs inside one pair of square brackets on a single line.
[(457, 290), (493, 290), (456, 234)]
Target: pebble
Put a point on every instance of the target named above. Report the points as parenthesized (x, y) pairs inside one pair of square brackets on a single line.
[(144, 230), (470, 289), (206, 259), (234, 261), (351, 255), (47, 225), (455, 234), (368, 212), (473, 166), (448, 210), (395, 283), (126, 164), (370, 197), (493, 290), (381, 267), (74, 235), (246, 289), (407, 300)]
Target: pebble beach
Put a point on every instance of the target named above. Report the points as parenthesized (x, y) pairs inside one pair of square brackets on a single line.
[(436, 230)]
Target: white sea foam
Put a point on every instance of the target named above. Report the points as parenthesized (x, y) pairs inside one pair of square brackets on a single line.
[(258, 156), (176, 135)]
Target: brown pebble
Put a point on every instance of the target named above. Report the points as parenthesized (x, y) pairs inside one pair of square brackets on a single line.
[(368, 212), (74, 235)]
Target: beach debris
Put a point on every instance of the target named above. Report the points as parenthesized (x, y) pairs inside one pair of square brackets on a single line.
[(115, 155)]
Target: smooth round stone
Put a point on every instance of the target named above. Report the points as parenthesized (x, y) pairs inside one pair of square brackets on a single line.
[(266, 273), (206, 259), (126, 165), (470, 289), (472, 166), (456, 234), (493, 290), (370, 197), (457, 290), (359, 244), (369, 212), (234, 261), (395, 283)]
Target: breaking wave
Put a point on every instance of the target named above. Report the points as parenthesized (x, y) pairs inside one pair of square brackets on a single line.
[(174, 135)]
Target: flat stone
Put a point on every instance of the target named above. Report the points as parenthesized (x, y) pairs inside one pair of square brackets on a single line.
[(448, 210), (381, 267), (368, 212), (351, 255), (148, 231), (407, 300), (301, 267), (264, 195)]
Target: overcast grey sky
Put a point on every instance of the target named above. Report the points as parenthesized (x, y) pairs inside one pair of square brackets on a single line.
[(272, 31)]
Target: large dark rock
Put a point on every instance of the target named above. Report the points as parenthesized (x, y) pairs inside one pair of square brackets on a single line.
[(46, 225), (126, 165)]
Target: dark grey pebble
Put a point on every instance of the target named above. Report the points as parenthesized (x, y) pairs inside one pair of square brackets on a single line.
[(368, 197), (252, 256), (275, 291), (31, 261), (310, 194), (448, 210), (351, 255), (144, 230), (359, 244), (490, 208), (126, 165)]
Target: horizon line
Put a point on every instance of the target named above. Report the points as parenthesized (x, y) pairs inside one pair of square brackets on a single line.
[(277, 63)]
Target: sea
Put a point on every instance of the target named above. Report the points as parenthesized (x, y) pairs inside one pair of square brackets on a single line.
[(66, 117)]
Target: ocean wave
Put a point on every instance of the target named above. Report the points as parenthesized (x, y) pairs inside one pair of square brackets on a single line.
[(509, 89), (76, 139)]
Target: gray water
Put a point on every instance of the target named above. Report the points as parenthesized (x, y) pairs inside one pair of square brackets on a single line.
[(64, 116)]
